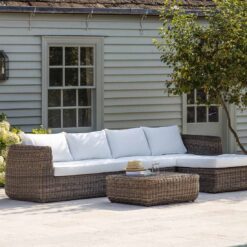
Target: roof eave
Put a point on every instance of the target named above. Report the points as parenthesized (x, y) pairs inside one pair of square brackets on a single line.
[(99, 11), (61, 10)]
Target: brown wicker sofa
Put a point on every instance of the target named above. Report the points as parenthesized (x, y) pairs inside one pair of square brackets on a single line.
[(30, 174)]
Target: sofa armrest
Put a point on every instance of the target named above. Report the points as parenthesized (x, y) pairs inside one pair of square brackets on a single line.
[(203, 145), (28, 172), (26, 161)]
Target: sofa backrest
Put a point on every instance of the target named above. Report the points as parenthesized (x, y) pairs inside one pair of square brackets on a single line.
[(203, 145), (165, 140), (93, 145), (128, 142), (108, 144), (57, 142)]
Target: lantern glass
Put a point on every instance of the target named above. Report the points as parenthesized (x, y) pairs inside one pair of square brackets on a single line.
[(4, 66)]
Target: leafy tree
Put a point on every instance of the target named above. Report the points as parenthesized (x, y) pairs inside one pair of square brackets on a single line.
[(210, 55)]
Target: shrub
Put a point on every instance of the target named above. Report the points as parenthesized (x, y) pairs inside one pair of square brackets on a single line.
[(8, 137), (41, 130)]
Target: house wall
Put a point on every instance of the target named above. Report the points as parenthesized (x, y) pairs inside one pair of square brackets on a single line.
[(241, 126), (133, 74)]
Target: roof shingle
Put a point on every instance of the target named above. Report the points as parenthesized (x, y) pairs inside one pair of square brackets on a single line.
[(152, 5), (143, 4)]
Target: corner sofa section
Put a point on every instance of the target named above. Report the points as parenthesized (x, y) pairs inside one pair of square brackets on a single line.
[(30, 173)]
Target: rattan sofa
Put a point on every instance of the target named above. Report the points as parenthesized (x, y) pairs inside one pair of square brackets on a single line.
[(30, 174)]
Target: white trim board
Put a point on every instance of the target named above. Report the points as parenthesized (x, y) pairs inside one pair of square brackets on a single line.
[(98, 43)]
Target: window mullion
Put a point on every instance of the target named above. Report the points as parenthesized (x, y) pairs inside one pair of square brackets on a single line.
[(63, 87), (62, 108), (63, 66), (77, 109)]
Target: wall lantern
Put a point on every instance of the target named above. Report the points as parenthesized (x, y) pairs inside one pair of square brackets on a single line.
[(4, 66)]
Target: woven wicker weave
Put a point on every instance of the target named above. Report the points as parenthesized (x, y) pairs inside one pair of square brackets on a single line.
[(203, 145), (30, 174), (154, 190), (221, 179)]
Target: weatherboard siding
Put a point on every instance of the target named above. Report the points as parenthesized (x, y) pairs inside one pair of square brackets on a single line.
[(241, 126), (133, 74)]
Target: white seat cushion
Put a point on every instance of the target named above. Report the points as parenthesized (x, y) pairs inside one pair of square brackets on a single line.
[(91, 145), (88, 167), (128, 142), (165, 140), (220, 161), (109, 165), (169, 160), (57, 142)]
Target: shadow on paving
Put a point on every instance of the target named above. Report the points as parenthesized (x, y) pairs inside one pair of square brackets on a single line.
[(11, 207), (235, 196)]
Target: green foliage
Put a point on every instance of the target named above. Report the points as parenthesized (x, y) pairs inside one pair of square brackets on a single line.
[(209, 55), (3, 117), (41, 130), (8, 136)]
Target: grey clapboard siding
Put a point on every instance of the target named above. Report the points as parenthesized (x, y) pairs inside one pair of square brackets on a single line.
[(133, 74), (241, 125)]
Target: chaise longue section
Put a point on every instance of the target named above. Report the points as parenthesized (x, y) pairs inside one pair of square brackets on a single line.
[(214, 180)]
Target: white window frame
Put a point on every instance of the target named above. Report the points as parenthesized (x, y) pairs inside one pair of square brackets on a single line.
[(196, 105), (97, 109)]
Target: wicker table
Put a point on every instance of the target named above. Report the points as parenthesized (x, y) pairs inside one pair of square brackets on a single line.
[(164, 188)]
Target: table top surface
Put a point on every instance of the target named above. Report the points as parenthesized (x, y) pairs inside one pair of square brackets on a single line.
[(156, 176)]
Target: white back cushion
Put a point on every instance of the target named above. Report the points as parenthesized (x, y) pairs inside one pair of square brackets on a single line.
[(165, 140), (129, 142), (91, 145), (57, 142)]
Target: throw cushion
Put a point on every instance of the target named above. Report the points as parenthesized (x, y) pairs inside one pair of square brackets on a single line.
[(57, 142), (128, 142), (91, 145), (165, 140)]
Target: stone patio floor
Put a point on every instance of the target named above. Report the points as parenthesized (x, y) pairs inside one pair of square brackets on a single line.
[(213, 220)]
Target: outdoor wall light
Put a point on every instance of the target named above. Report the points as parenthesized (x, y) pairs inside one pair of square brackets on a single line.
[(4, 66)]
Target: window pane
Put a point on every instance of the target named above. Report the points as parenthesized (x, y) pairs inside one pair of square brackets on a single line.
[(190, 114), (54, 118), (54, 98), (191, 98), (71, 77), (84, 117), (71, 56), (213, 114), (56, 56), (56, 77), (84, 97), (69, 118), (87, 76), (86, 55), (201, 114), (69, 97), (201, 97)]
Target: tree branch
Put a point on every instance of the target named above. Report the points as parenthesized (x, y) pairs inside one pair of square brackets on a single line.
[(230, 125)]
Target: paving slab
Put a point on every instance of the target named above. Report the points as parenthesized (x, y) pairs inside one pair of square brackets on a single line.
[(212, 220)]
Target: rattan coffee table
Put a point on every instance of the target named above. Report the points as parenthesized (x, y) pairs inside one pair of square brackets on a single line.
[(163, 188)]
